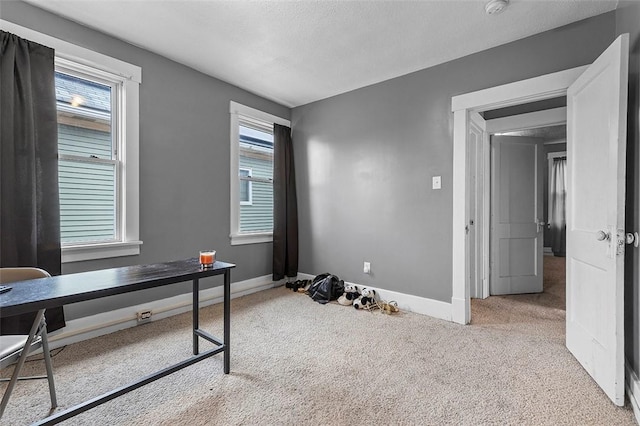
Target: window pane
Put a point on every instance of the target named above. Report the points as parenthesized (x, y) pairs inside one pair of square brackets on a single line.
[(259, 215), (88, 199), (245, 186), (84, 117), (256, 154)]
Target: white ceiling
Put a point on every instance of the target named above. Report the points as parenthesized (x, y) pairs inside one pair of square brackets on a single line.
[(296, 52)]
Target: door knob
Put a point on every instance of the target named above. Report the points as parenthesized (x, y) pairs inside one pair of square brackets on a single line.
[(632, 239), (602, 235)]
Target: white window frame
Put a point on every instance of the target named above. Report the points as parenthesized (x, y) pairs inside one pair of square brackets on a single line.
[(249, 202), (237, 112), (130, 76)]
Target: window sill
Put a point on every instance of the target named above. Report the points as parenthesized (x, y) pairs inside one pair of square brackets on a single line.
[(80, 252), (254, 238)]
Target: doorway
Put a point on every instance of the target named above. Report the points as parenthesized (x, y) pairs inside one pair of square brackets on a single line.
[(545, 132), (528, 213), (596, 118), (464, 108), (527, 193)]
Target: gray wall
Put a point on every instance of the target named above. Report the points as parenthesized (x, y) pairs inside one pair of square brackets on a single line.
[(628, 21), (364, 161), (184, 139)]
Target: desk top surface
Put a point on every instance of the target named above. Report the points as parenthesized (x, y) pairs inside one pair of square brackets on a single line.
[(31, 295)]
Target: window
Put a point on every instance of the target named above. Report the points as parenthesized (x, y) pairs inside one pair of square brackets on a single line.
[(252, 147), (98, 167), (97, 98), (98, 161), (89, 165)]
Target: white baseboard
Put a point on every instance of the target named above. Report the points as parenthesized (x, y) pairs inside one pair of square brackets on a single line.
[(407, 302), (108, 322), (633, 390)]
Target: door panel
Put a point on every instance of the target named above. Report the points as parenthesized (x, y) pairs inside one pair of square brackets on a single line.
[(596, 149), (516, 210)]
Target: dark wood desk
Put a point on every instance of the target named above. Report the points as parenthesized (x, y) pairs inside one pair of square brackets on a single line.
[(43, 293)]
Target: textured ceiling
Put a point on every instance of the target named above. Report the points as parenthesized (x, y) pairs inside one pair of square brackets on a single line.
[(296, 52)]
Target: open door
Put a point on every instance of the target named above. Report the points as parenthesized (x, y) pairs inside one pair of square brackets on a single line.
[(596, 144), (516, 215)]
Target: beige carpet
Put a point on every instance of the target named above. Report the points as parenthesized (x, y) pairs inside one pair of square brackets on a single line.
[(297, 362)]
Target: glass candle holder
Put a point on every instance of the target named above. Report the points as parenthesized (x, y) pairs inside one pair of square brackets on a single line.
[(207, 258)]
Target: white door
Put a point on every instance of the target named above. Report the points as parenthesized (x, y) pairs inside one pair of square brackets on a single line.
[(516, 215), (596, 143)]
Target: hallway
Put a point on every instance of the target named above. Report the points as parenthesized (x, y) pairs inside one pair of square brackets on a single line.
[(540, 314)]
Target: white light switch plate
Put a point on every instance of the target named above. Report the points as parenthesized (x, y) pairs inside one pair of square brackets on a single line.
[(437, 182)]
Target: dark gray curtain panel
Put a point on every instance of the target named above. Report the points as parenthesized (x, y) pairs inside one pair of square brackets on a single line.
[(285, 206), (557, 218), (29, 202)]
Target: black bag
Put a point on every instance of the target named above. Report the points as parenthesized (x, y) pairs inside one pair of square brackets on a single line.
[(325, 288)]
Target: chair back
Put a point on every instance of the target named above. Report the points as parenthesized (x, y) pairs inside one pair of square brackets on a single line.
[(9, 275)]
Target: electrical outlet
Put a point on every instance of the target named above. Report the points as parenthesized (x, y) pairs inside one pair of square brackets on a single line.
[(144, 316), (367, 268)]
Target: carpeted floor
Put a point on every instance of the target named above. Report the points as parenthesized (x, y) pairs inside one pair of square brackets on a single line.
[(297, 362), (541, 313)]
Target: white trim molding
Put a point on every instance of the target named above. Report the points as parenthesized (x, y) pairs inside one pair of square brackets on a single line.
[(92, 326), (530, 120), (78, 253), (530, 90)]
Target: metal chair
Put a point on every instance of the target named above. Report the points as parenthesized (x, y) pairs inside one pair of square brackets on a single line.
[(17, 347)]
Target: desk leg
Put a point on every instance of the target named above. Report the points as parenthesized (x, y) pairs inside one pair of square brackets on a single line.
[(227, 321), (196, 314)]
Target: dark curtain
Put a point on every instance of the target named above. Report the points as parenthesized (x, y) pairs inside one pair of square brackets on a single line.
[(29, 203), (285, 206), (557, 219)]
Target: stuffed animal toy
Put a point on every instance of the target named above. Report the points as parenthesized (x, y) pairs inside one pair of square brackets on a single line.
[(350, 294), (367, 299)]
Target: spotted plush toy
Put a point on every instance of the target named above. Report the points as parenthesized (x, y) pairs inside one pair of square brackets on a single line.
[(350, 294), (366, 300)]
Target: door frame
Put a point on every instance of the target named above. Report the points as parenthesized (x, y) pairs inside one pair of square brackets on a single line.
[(534, 89)]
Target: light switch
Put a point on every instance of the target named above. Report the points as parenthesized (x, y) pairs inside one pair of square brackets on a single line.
[(437, 182)]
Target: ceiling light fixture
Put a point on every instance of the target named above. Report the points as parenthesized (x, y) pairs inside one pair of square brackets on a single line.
[(495, 7)]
